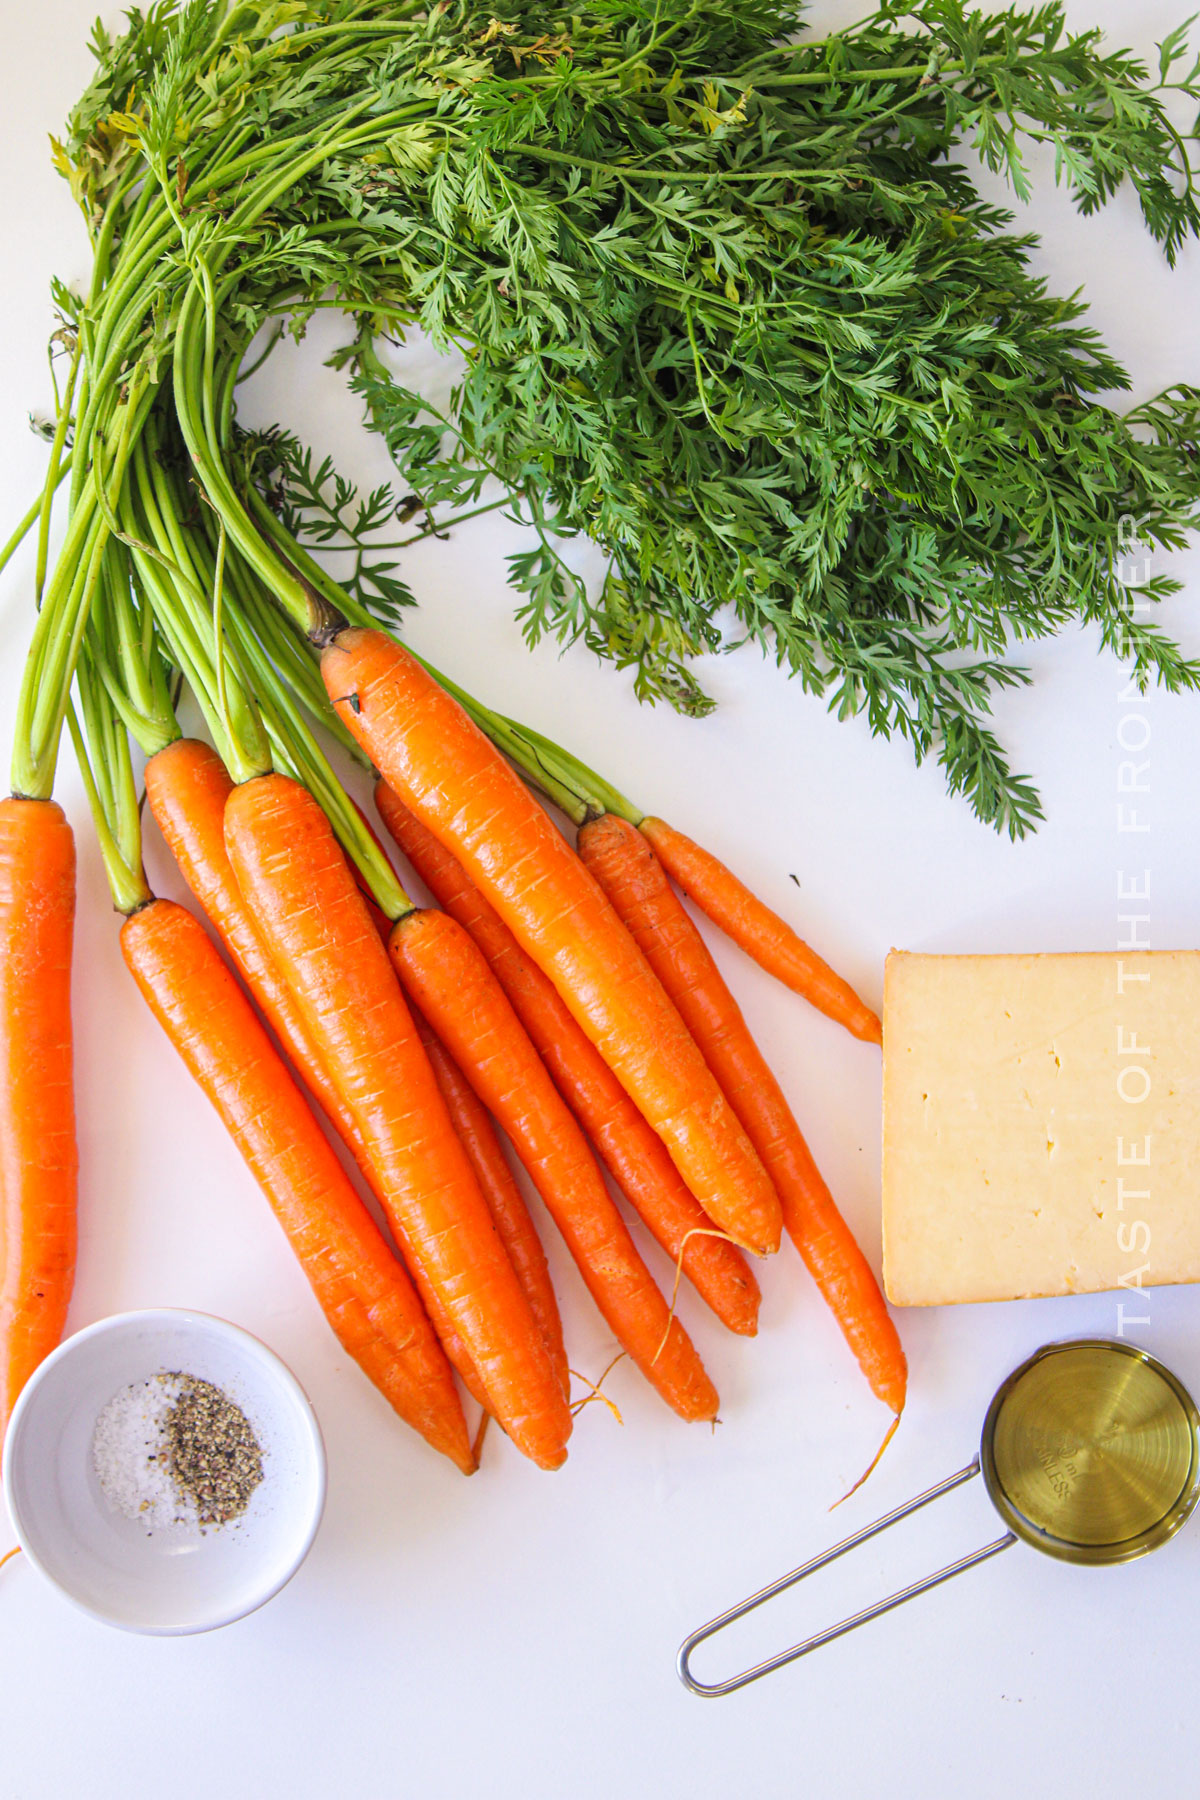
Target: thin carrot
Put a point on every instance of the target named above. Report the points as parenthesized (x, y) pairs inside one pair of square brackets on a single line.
[(38, 1158), (300, 889), (459, 786), (450, 1340), (450, 981), (362, 1289), (631, 1152), (636, 883), (760, 932), (510, 1214)]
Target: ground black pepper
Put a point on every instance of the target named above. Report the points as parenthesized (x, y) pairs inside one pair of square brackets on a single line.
[(216, 1462)]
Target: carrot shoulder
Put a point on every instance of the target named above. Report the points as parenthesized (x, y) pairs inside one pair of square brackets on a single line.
[(459, 995), (362, 1289), (303, 895), (459, 786), (760, 932), (632, 1153), (38, 1158), (187, 786), (630, 873)]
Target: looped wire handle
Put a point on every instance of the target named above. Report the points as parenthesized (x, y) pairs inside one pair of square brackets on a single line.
[(713, 1690)]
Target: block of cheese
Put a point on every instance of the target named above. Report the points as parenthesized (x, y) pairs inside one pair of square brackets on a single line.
[(1041, 1125)]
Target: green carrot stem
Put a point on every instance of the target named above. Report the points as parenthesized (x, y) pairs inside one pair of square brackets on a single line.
[(189, 407), (184, 639), (138, 282), (128, 662), (26, 525), (52, 473), (292, 657), (246, 370), (113, 805), (897, 72), (435, 528), (293, 745), (179, 588), (58, 631), (596, 795), (136, 651)]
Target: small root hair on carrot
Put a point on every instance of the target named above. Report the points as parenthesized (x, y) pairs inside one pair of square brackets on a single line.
[(596, 1393), (872, 1465), (695, 1231)]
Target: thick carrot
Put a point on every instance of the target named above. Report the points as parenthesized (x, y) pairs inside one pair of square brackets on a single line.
[(38, 1158), (760, 932), (362, 1288), (463, 1002), (459, 785), (302, 894), (187, 786), (509, 1212), (633, 1154), (636, 883)]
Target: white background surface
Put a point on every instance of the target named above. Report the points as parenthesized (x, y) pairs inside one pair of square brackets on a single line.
[(514, 1635)]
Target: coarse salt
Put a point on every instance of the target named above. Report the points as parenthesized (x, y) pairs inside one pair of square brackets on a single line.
[(131, 1456)]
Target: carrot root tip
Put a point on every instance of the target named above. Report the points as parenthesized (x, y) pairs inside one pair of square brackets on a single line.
[(872, 1465), (480, 1434), (596, 1393)]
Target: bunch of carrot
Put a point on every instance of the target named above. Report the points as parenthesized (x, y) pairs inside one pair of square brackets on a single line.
[(565, 994), (558, 993)]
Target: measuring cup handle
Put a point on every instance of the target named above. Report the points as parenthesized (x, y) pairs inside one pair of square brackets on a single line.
[(714, 1690)]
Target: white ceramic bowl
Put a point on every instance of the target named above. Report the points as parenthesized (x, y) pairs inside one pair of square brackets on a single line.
[(174, 1581)]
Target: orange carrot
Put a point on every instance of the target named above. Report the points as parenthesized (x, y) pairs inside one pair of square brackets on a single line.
[(187, 786), (459, 786), (362, 1289), (303, 896), (38, 1159), (458, 994), (633, 1154), (634, 880), (760, 932), (498, 1184)]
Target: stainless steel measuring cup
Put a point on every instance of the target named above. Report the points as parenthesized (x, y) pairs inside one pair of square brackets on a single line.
[(1089, 1452)]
